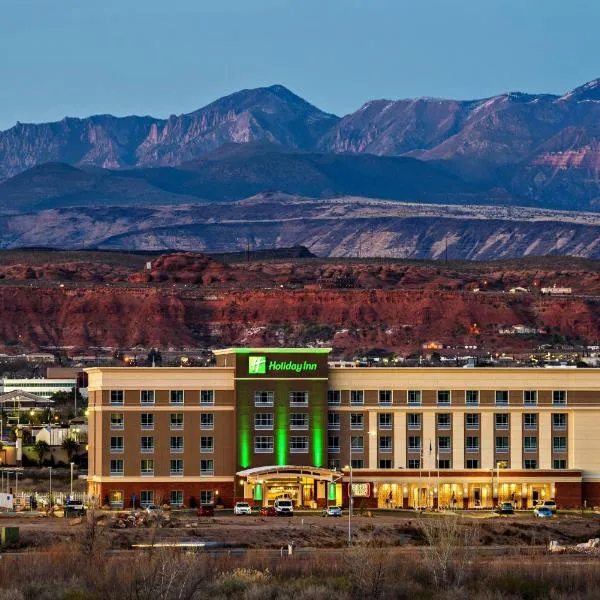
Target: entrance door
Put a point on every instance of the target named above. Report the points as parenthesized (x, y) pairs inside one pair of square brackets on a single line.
[(476, 497)]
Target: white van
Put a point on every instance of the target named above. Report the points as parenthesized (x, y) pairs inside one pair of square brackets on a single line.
[(284, 507)]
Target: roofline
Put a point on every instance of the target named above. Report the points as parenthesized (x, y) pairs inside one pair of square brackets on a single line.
[(271, 351)]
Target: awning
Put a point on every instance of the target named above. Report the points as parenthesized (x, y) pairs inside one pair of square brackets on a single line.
[(286, 471)]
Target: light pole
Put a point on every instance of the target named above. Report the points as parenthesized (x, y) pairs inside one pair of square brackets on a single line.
[(72, 463), (50, 496), (17, 482)]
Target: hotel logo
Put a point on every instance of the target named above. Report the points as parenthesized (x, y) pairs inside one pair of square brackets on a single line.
[(257, 365)]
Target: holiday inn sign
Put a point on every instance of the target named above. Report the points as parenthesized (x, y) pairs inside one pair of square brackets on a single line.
[(261, 365)]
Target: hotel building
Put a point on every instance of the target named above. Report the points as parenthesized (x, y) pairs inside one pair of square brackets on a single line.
[(268, 423)]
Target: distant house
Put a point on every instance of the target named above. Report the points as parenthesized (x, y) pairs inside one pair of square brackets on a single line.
[(518, 290), (53, 436), (554, 290)]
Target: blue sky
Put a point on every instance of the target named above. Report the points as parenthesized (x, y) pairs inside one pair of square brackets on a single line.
[(81, 57)]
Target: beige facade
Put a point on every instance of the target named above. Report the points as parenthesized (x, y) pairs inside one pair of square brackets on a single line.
[(463, 437)]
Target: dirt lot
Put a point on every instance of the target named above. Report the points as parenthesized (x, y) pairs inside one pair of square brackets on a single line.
[(401, 529)]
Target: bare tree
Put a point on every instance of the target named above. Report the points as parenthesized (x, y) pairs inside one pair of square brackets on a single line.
[(366, 567), (449, 540)]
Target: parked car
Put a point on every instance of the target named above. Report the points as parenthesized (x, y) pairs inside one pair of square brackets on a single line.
[(267, 511), (543, 512), (206, 510), (548, 504), (505, 508), (284, 507), (153, 509), (242, 508), (333, 511), (74, 508)]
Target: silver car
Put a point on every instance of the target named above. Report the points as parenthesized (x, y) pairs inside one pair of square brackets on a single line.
[(333, 511)]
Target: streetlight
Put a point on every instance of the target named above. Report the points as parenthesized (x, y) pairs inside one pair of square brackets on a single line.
[(72, 463), (50, 496), (17, 482)]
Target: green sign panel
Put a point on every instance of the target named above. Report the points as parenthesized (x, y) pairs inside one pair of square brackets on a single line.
[(259, 365)]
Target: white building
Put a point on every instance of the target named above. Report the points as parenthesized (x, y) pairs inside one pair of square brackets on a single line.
[(40, 387)]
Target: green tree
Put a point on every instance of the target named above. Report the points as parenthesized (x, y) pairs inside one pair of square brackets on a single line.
[(41, 448), (70, 446)]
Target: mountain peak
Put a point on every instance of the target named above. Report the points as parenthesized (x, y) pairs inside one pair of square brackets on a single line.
[(587, 91)]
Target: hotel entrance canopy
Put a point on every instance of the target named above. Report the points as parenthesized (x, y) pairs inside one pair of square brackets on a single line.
[(286, 471)]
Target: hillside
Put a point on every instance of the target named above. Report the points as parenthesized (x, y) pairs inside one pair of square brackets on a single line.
[(190, 300)]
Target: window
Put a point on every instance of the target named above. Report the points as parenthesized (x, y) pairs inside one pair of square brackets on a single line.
[(116, 444), (298, 421), (334, 397), (116, 397), (206, 497), (147, 420), (147, 444), (176, 444), (414, 443), (176, 397), (357, 397), (559, 421), (176, 421), (263, 421), (501, 443), (334, 463), (263, 444), (357, 420), (443, 421), (414, 420), (298, 398), (472, 444), (502, 398), (559, 397), (414, 463), (472, 463), (471, 397), (559, 444), (147, 467), (443, 397), (207, 421), (472, 421), (333, 421), (530, 397), (385, 397), (414, 397), (530, 421), (444, 443), (116, 466), (444, 463), (263, 398), (333, 443), (207, 397), (207, 466), (559, 463), (207, 443), (357, 463), (530, 463), (385, 443), (147, 397), (530, 444), (146, 498), (176, 467), (298, 444), (116, 420), (176, 498), (115, 498), (501, 421), (357, 443), (385, 463), (385, 420)]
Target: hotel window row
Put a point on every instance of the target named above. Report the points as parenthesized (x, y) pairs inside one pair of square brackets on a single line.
[(444, 397), (176, 422), (176, 444), (176, 397), (266, 421), (267, 398), (176, 467), (264, 444)]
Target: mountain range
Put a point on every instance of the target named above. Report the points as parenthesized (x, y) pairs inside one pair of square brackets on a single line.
[(540, 151)]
